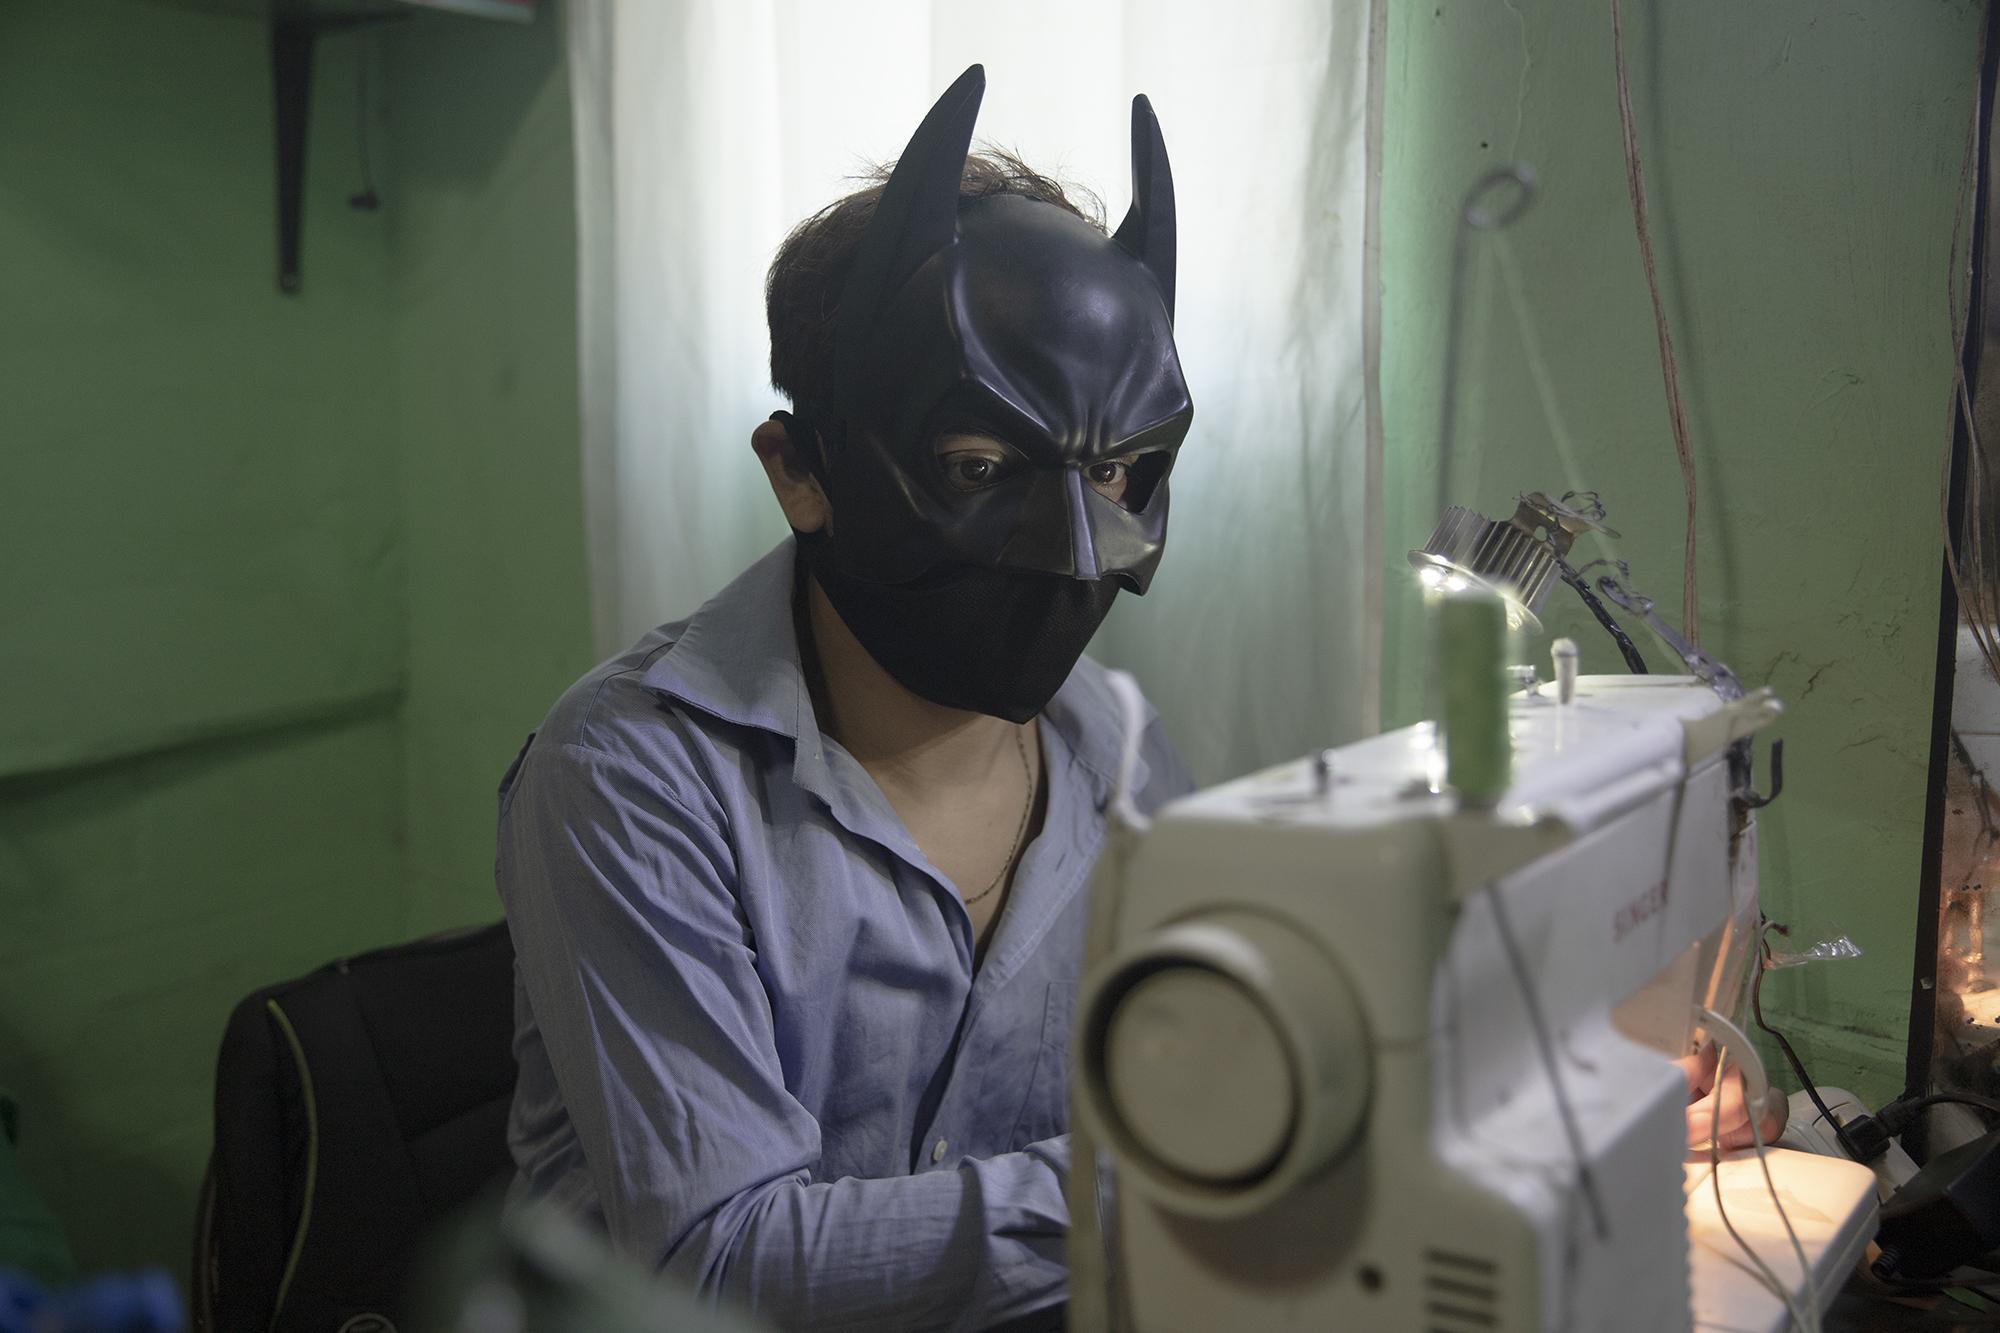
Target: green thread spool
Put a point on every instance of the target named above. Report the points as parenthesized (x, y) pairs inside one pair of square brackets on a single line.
[(1472, 643)]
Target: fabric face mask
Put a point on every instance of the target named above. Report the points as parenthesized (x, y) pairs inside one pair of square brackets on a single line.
[(994, 641)]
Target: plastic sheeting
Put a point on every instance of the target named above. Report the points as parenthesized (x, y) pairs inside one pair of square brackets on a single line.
[(705, 130)]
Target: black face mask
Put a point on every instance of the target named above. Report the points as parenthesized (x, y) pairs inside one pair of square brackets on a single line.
[(994, 641), (1009, 317)]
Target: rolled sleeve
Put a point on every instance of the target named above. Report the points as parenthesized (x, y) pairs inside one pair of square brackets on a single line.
[(639, 971)]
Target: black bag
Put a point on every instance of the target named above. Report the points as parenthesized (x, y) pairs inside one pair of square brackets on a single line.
[(355, 1107)]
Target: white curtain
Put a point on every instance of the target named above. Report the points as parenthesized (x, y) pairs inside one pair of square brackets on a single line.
[(706, 128)]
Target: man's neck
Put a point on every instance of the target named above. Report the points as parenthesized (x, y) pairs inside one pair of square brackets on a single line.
[(902, 739)]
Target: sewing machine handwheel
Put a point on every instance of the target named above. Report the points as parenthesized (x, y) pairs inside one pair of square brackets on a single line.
[(1200, 1076), (1226, 1059)]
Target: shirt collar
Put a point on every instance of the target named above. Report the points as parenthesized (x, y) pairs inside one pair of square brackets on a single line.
[(737, 659)]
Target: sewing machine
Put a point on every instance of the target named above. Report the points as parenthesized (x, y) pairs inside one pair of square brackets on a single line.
[(1359, 1058)]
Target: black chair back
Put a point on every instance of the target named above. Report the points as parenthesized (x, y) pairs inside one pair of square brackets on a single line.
[(355, 1107)]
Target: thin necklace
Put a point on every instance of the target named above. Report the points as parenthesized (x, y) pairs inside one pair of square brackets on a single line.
[(1026, 806)]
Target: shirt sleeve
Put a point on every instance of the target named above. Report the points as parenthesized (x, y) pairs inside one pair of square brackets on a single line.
[(639, 971)]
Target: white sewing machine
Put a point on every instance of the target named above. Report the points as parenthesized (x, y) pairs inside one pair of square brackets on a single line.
[(1363, 1060)]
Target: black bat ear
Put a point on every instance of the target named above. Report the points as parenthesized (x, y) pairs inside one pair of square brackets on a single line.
[(1147, 233), (916, 217)]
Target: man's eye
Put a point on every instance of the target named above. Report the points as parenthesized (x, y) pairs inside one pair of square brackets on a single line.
[(969, 472), (1110, 478)]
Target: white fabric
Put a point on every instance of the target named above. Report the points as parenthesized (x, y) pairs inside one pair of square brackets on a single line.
[(706, 128)]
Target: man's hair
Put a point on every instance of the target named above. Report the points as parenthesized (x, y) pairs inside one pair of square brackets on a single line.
[(802, 290)]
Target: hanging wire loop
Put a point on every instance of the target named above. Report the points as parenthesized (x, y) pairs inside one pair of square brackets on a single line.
[(1495, 201)]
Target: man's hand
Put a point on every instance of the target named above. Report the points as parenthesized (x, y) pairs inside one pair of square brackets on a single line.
[(1722, 1112)]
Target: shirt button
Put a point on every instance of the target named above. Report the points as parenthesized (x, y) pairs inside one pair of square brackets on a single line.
[(937, 1153)]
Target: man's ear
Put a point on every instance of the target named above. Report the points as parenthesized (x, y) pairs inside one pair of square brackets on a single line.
[(798, 491)]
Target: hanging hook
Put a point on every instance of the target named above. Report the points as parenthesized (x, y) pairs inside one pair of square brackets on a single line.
[(1748, 794)]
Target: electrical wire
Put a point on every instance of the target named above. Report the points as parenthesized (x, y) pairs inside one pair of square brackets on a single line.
[(1987, 1104), (1757, 968), (1626, 648), (1804, 1319), (1809, 1289), (1635, 184)]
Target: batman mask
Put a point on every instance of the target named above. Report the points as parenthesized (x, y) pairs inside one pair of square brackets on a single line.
[(1007, 317)]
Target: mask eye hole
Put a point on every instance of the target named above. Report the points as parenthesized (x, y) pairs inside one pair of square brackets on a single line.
[(975, 462), (1139, 475)]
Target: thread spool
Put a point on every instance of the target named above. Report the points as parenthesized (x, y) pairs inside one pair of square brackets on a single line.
[(1472, 640)]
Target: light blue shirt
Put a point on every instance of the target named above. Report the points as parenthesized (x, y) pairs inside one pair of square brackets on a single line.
[(753, 1045)]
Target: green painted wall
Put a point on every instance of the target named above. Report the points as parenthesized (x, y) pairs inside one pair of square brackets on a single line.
[(284, 580), (142, 900), (1803, 162), (482, 234), (197, 530), (201, 589)]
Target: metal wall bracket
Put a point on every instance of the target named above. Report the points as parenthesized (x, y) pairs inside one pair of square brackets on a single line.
[(295, 28)]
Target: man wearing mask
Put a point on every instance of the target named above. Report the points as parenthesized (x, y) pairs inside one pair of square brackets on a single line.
[(797, 886)]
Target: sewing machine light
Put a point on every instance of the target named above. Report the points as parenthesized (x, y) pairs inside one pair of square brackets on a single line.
[(1516, 559), (1470, 550), (1444, 578)]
